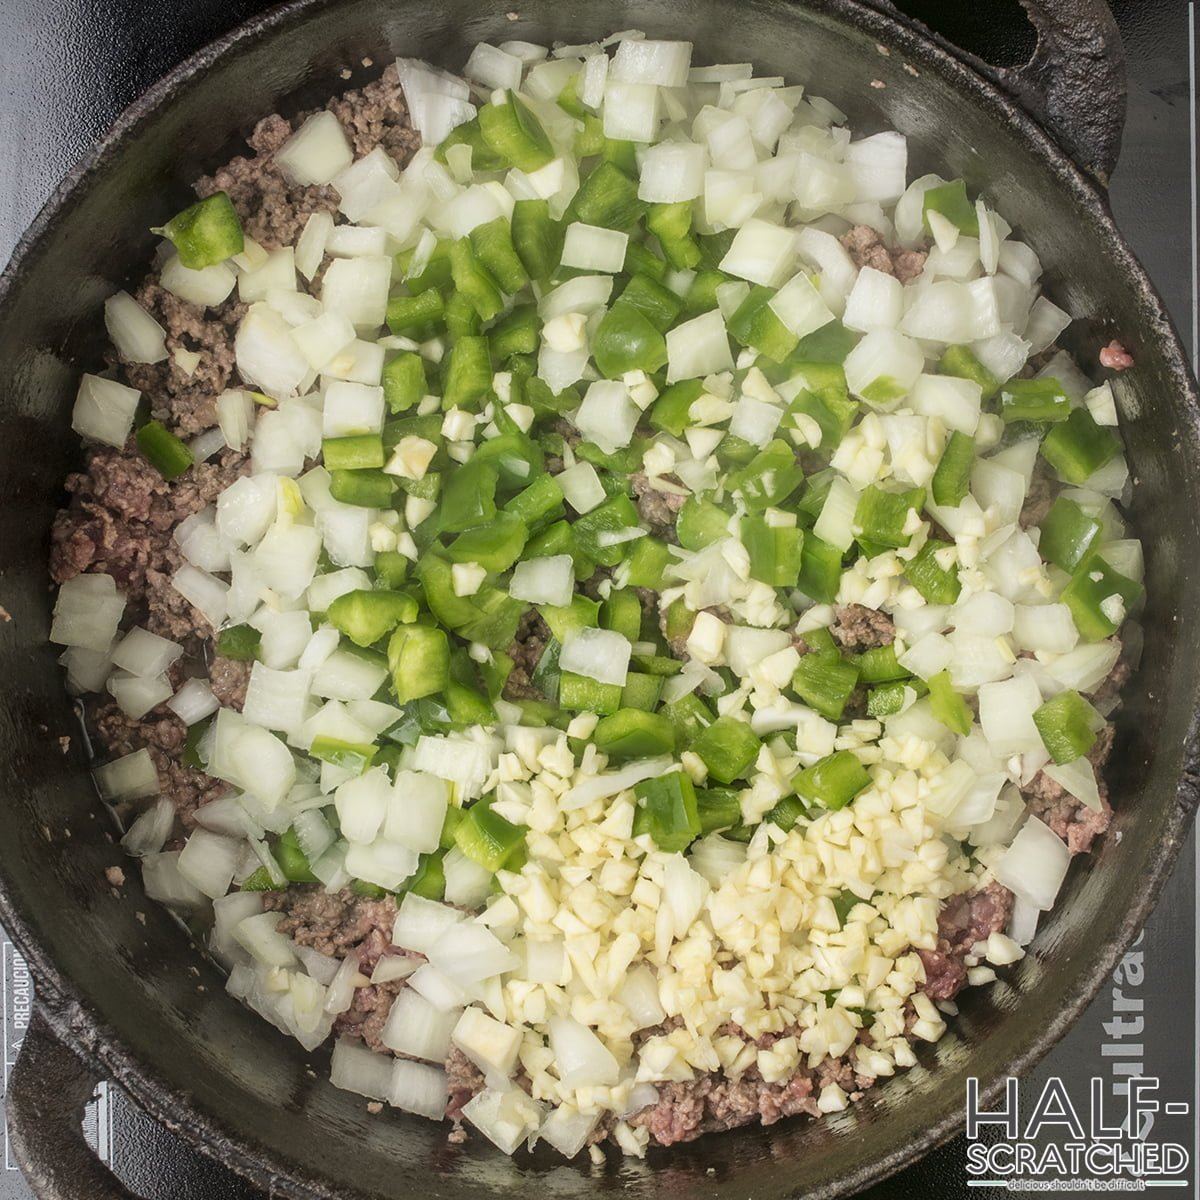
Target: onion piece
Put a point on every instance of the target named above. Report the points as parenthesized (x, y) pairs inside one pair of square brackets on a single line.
[(137, 336), (130, 777), (1035, 865)]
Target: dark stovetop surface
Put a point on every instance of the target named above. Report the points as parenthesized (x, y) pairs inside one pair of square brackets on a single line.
[(68, 67)]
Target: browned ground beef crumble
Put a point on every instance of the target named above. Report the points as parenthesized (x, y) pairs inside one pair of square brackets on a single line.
[(120, 521)]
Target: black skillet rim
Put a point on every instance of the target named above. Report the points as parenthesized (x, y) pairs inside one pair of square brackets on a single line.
[(68, 1011)]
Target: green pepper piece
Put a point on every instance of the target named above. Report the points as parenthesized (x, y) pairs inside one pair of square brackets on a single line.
[(961, 362), (882, 515), (518, 333), (1034, 400), (494, 546), (825, 683), (469, 498), (493, 245), (537, 238), (950, 201), (947, 705), (642, 691), (615, 515), (419, 660), (1099, 598), (1068, 534), (486, 838), (952, 479), (879, 665), (258, 880), (365, 489), (776, 551), (888, 699), (483, 157), (644, 566), (833, 782), (670, 411), (466, 707), (700, 523), (754, 324), (608, 197), (474, 281), (430, 878), (468, 377), (291, 859), (351, 756), (634, 733), (1067, 724), (206, 233), (240, 643), (352, 453), (515, 134), (625, 340), (717, 808), (1078, 447), (658, 304), (366, 616), (820, 569), (416, 315), (825, 398), (391, 569), (195, 735), (934, 582), (702, 295), (578, 693), (404, 383), (769, 478), (163, 450), (672, 225), (541, 501), (728, 747), (622, 613), (672, 818)]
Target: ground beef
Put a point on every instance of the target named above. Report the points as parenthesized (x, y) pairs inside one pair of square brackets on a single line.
[(376, 115), (463, 1080), (657, 508), (713, 1102), (1039, 498), (858, 628), (164, 735), (867, 248), (368, 1013), (334, 924), (1115, 357), (1073, 821), (186, 402), (526, 651), (964, 920), (228, 679)]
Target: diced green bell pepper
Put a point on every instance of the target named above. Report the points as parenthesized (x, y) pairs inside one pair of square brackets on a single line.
[(947, 705), (952, 479), (206, 233), (1078, 447), (825, 683), (1099, 598), (634, 733), (833, 782), (1068, 534), (419, 660), (366, 616), (169, 456), (728, 747), (1067, 724), (671, 815)]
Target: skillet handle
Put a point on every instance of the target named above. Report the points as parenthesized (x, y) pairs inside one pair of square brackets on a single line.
[(47, 1091), (1075, 83)]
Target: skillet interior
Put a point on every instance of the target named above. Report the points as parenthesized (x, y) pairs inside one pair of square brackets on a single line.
[(170, 1032)]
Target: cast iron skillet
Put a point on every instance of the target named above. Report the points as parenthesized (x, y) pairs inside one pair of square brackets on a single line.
[(135, 1001)]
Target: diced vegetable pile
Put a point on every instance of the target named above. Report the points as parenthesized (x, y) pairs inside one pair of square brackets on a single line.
[(569, 445)]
